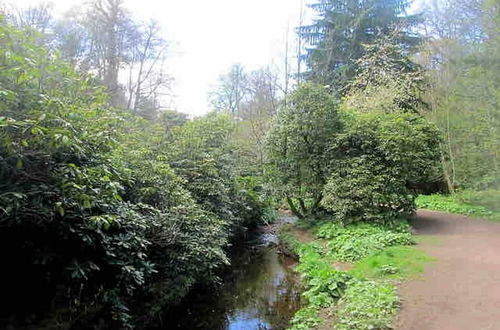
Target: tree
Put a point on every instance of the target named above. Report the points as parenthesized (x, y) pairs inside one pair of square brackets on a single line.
[(38, 17), (459, 20), (127, 56), (298, 144), (378, 161), (171, 118), (256, 112), (230, 90), (111, 34), (462, 59), (337, 36), (146, 76), (387, 79)]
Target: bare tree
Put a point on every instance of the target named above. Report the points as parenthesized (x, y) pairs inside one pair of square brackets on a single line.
[(261, 104), (459, 20), (230, 90), (38, 17), (146, 77)]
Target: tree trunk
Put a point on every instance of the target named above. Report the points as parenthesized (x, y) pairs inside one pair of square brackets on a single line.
[(294, 208)]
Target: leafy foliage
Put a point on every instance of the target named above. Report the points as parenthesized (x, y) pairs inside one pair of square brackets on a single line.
[(367, 296), (97, 216), (305, 319), (204, 155), (324, 284), (298, 146), (379, 158), (387, 80), (357, 241), (342, 28), (457, 203), (464, 92), (367, 305)]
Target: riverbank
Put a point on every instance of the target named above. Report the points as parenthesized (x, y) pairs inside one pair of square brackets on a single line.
[(350, 273), (259, 290)]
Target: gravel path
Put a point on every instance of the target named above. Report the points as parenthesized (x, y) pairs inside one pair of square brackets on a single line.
[(461, 289)]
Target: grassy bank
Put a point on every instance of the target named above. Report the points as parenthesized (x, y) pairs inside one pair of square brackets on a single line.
[(350, 273), (480, 204)]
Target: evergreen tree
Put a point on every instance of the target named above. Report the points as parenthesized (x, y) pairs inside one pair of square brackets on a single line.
[(342, 27)]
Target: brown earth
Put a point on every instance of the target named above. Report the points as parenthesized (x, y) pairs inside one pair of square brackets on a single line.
[(461, 289)]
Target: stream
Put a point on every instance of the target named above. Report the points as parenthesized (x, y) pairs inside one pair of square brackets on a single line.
[(260, 291)]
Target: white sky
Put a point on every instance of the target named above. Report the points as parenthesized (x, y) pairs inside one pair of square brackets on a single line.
[(208, 36)]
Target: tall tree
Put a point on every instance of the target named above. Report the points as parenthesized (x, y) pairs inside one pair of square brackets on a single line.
[(146, 76), (263, 96), (388, 80), (463, 62), (298, 147), (342, 27), (38, 17), (125, 55), (111, 34), (459, 20), (230, 90)]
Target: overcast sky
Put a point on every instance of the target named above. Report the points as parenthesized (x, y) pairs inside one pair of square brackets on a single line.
[(208, 36)]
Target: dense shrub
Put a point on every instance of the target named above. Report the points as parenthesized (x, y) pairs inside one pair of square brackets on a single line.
[(378, 159), (471, 203), (203, 154), (89, 203), (298, 145), (367, 305), (356, 241), (362, 189)]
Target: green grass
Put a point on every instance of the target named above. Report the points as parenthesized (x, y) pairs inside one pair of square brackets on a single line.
[(462, 204), (354, 242), (395, 262), (490, 199), (367, 305), (364, 297), (428, 239)]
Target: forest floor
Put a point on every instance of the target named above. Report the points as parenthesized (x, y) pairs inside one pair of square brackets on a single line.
[(461, 288)]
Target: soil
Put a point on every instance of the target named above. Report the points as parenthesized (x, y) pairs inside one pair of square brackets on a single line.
[(461, 289)]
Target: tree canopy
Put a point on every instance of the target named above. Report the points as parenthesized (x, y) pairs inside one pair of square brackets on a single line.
[(341, 29)]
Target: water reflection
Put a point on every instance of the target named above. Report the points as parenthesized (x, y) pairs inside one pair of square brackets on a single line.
[(261, 292)]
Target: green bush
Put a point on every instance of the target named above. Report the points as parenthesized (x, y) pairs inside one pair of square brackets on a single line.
[(306, 318), (203, 154), (323, 284), (458, 203), (88, 202), (356, 241), (367, 305), (378, 159), (363, 189), (298, 144)]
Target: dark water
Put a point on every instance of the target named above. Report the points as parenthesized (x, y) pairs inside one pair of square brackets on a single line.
[(260, 292)]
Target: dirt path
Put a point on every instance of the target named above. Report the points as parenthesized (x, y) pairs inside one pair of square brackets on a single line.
[(461, 289)]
